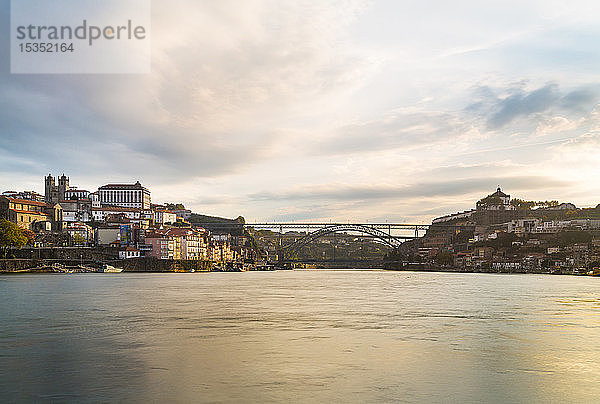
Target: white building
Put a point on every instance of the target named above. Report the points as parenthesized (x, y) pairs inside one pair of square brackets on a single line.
[(129, 252), (125, 195), (77, 210), (74, 193), (460, 215), (95, 198), (183, 213), (523, 226), (100, 214), (496, 201), (82, 230), (164, 217)]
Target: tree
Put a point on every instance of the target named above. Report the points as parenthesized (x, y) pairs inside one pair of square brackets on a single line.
[(78, 239), (547, 204), (30, 236), (569, 237), (520, 204), (11, 236), (444, 258)]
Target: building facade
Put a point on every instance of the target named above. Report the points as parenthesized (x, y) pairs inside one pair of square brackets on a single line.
[(178, 244), (164, 217), (125, 195), (32, 215), (74, 193)]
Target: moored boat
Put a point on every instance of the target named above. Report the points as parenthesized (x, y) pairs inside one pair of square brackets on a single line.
[(110, 269)]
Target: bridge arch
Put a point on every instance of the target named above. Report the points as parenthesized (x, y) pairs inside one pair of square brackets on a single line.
[(385, 238)]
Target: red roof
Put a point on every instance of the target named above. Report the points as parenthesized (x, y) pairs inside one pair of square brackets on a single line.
[(27, 202), (29, 212)]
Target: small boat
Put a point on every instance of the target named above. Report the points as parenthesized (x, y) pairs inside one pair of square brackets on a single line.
[(594, 272), (110, 269)]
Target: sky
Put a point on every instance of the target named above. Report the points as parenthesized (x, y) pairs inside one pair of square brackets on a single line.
[(340, 110)]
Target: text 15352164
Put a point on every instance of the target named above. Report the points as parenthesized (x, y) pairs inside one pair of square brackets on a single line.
[(46, 47)]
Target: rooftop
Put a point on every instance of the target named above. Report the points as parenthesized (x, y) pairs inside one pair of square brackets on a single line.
[(29, 212), (26, 202), (137, 185), (500, 194)]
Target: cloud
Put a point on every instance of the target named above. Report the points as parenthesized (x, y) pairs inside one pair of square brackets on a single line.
[(501, 107), (222, 75), (523, 104), (556, 124), (581, 100), (338, 95), (402, 128), (540, 111), (587, 142), (430, 189)]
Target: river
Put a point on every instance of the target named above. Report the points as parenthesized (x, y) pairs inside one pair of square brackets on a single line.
[(299, 336)]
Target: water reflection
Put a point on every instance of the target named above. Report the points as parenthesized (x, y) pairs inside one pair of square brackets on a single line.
[(299, 336)]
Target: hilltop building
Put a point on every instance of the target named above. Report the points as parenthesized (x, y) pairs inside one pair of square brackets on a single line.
[(484, 209), (125, 195), (496, 201)]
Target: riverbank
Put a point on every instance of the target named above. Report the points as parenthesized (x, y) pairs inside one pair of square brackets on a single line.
[(398, 266), (23, 265)]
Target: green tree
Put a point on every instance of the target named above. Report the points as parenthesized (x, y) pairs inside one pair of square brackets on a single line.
[(520, 204), (11, 236)]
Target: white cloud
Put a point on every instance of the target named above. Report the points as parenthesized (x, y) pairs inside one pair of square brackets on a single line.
[(357, 103)]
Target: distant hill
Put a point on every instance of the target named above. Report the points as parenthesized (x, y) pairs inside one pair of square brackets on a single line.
[(218, 224)]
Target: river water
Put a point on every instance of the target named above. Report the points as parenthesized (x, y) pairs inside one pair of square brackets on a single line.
[(299, 336)]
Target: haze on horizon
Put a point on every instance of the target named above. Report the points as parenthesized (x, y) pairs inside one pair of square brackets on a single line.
[(326, 110)]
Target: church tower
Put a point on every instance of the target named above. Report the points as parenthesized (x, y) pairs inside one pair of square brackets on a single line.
[(49, 188), (63, 186)]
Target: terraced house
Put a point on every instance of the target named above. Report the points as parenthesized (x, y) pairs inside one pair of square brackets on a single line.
[(32, 215), (178, 243)]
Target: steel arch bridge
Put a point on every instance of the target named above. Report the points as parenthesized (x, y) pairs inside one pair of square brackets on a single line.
[(389, 234), (385, 238)]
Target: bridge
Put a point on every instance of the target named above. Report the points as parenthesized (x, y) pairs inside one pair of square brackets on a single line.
[(289, 237), (390, 234)]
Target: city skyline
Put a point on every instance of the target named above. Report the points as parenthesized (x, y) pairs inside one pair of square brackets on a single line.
[(340, 110)]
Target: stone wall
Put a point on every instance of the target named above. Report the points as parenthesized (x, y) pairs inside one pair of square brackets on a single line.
[(150, 264), (67, 253), (19, 265)]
